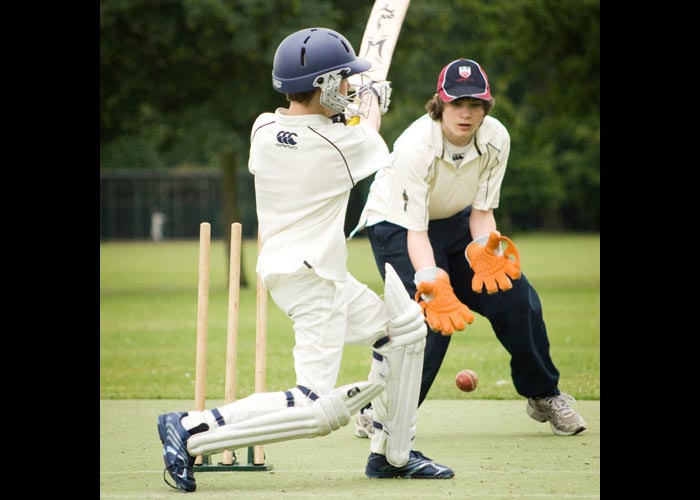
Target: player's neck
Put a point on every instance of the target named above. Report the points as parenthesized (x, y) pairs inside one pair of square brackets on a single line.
[(458, 142), (312, 108)]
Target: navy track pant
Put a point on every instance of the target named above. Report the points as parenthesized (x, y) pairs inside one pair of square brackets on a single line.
[(515, 315)]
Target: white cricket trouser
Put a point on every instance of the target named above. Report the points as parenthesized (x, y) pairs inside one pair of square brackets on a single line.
[(326, 314)]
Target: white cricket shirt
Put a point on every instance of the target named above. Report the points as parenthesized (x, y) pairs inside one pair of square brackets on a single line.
[(423, 183), (304, 168)]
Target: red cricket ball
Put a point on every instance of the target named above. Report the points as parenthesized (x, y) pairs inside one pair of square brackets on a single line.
[(466, 380)]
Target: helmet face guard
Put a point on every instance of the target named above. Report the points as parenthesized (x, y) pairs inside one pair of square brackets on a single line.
[(356, 102)]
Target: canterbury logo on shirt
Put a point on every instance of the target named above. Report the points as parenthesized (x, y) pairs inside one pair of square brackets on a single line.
[(286, 139)]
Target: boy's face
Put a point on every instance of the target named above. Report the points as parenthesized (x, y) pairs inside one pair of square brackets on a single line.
[(344, 86), (460, 120)]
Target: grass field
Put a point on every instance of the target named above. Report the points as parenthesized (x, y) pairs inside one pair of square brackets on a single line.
[(148, 316), (495, 449), (148, 313)]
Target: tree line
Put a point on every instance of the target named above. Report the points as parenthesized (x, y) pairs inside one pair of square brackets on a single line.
[(181, 82)]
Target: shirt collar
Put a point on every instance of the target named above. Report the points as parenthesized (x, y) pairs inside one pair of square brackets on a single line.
[(301, 120)]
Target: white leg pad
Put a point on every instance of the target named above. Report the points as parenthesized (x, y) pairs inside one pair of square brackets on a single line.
[(401, 368), (395, 295), (326, 414), (396, 409)]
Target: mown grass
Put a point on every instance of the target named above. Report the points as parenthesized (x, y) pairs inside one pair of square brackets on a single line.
[(148, 318)]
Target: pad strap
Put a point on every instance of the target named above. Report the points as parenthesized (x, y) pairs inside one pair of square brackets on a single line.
[(219, 418), (290, 399), (308, 392)]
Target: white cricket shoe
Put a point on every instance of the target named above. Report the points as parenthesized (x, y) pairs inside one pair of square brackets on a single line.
[(563, 420)]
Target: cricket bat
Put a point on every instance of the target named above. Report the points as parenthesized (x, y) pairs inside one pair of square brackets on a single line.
[(380, 36)]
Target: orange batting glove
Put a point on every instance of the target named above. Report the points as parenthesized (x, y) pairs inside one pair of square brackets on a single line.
[(490, 269), (443, 310)]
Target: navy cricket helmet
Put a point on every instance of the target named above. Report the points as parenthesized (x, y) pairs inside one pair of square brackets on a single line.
[(309, 53)]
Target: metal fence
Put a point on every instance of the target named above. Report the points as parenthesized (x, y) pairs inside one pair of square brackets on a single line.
[(157, 204)]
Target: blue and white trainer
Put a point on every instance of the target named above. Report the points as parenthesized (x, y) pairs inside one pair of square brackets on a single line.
[(178, 463), (418, 467)]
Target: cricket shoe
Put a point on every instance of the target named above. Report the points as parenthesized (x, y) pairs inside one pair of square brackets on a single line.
[(364, 424), (563, 420), (418, 467), (178, 463)]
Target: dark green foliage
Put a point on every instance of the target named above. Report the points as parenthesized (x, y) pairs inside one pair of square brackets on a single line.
[(181, 81)]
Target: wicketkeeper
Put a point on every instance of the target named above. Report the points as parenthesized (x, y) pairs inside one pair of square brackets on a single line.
[(306, 158), (430, 216)]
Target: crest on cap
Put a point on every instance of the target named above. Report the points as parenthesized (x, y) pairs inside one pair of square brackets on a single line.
[(465, 71)]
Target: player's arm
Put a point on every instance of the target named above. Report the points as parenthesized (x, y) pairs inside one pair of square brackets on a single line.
[(420, 251), (374, 117), (481, 222), (492, 266)]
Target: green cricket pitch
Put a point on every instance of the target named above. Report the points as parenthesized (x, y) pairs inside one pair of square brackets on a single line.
[(495, 449)]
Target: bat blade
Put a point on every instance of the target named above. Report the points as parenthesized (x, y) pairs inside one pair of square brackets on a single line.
[(380, 36)]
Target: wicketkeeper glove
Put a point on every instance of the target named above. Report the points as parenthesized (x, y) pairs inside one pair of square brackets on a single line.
[(443, 310), (492, 268)]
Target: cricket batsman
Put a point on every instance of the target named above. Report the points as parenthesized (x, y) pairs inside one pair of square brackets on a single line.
[(306, 158)]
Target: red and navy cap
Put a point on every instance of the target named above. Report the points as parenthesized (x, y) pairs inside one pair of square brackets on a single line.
[(463, 78)]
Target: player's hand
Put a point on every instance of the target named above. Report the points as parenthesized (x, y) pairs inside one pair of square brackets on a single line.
[(443, 310), (490, 268), (383, 92)]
